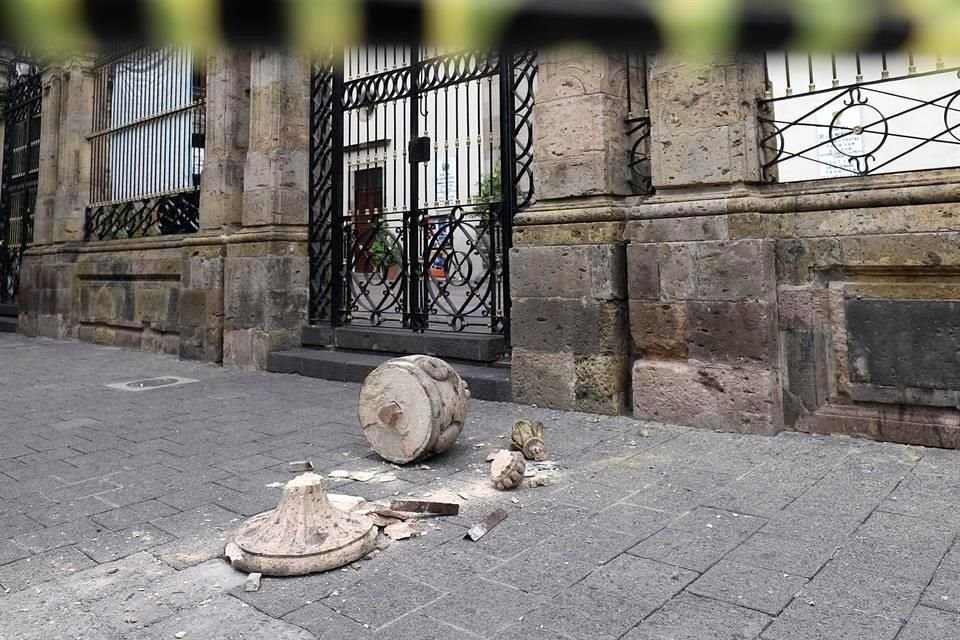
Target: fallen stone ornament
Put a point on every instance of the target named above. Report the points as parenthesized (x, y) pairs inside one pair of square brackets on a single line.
[(304, 534), (413, 407), (507, 470), (527, 436)]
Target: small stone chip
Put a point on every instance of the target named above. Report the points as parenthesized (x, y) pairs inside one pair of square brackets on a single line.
[(252, 583), (301, 465), (179, 635)]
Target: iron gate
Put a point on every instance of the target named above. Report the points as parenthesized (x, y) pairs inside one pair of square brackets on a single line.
[(419, 161), (21, 162)]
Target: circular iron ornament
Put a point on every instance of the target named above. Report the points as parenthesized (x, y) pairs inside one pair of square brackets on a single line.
[(858, 130), (947, 110), (457, 323), (458, 268)]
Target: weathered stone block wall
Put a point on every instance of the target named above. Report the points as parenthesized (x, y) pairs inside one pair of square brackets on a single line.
[(266, 299), (569, 320), (703, 324), (45, 300), (702, 284), (869, 298), (157, 295), (129, 298), (201, 302), (568, 284)]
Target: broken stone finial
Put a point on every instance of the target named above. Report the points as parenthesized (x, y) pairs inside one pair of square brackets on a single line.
[(527, 436), (304, 534), (413, 407), (507, 470)]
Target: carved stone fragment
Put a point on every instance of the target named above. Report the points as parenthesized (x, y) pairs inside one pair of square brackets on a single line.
[(413, 407), (507, 470), (527, 436), (304, 534)]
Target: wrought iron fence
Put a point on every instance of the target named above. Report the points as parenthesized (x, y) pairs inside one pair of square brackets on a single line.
[(21, 163), (828, 116), (419, 160), (638, 124), (147, 145)]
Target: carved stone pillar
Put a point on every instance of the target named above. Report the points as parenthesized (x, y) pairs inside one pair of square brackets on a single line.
[(228, 135), (567, 268), (48, 179), (266, 271), (73, 166), (702, 281)]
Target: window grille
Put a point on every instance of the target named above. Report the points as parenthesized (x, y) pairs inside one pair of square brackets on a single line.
[(858, 114), (21, 166), (147, 144)]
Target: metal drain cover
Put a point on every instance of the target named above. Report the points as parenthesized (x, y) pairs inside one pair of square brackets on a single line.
[(149, 384)]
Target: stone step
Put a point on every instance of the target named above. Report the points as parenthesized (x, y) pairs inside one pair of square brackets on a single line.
[(486, 383), (8, 324), (482, 348), (9, 310)]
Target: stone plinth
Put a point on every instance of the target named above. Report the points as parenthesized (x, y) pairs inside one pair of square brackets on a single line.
[(304, 534)]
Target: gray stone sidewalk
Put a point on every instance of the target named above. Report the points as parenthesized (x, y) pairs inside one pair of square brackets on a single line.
[(114, 507)]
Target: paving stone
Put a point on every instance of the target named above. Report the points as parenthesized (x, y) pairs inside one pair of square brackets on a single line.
[(204, 518), (419, 626), (898, 546), (529, 630), (628, 518), (931, 624), (794, 556), (869, 593), (750, 587), (800, 621), (11, 551), (325, 624), (461, 564), (113, 546), (484, 607), (61, 513), (139, 513), (224, 617), (195, 549), (279, 597), (823, 527), (644, 582), (690, 617), (583, 613), (596, 545), (16, 524), (542, 572), (59, 535), (590, 495), (382, 600), (943, 592), (45, 566)]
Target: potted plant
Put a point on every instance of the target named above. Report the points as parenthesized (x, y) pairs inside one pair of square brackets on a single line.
[(385, 253), (487, 206)]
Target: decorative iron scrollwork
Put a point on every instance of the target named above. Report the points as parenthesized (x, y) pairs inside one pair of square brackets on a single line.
[(882, 126), (419, 242), (21, 163)]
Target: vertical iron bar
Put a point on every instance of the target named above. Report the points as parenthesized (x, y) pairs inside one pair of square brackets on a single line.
[(508, 180), (411, 226), (339, 294)]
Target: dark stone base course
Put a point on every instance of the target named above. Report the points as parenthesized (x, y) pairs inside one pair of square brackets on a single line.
[(486, 383), (457, 346)]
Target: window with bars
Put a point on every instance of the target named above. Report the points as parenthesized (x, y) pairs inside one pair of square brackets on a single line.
[(858, 114), (147, 143)]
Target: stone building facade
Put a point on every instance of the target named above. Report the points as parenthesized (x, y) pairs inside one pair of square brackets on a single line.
[(710, 296)]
